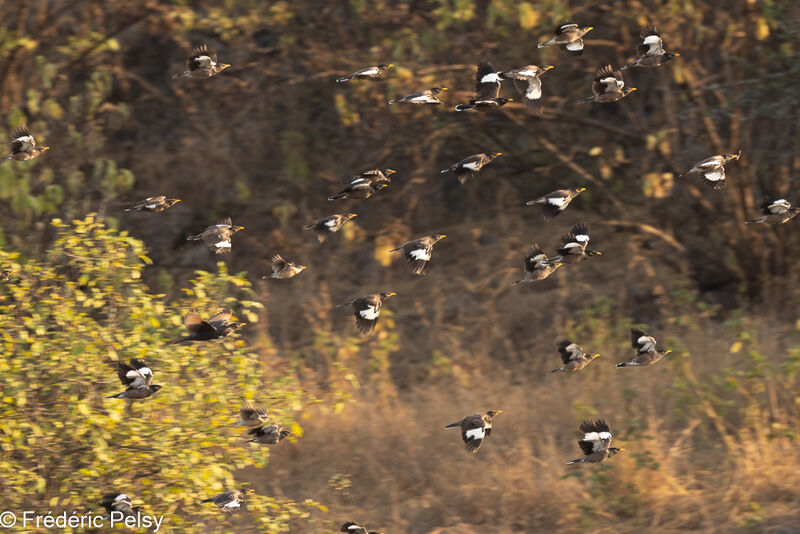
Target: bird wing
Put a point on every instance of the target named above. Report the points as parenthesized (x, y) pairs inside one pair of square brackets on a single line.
[(22, 140), (779, 206), (278, 263), (196, 325), (597, 433), (641, 341), (574, 48), (353, 528), (607, 80), (473, 430), (569, 351), (134, 376), (576, 240), (487, 82), (651, 43), (565, 27), (531, 91), (222, 318), (715, 179), (534, 258), (201, 58)]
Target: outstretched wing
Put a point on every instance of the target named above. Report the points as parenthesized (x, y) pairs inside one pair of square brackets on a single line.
[(487, 82)]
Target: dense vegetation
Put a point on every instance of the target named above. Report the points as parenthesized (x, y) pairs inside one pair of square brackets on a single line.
[(709, 435)]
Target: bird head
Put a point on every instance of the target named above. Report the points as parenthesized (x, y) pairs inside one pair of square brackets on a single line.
[(548, 67), (437, 90), (667, 352), (492, 413), (592, 252), (670, 55), (579, 190), (155, 388), (586, 29), (172, 201), (630, 90), (729, 157), (381, 185), (44, 148), (301, 267), (387, 172), (247, 491), (594, 355), (386, 65), (503, 101), (493, 155), (235, 229), (349, 216), (438, 237), (385, 296), (222, 66), (614, 450)]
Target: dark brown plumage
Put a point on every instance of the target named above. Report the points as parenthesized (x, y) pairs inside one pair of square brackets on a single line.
[(428, 96), (366, 184), (552, 204), (137, 378), (608, 86), (229, 501), (328, 225), (217, 237), (217, 327), (201, 63), (650, 51), (475, 428), (355, 528), (537, 265), (569, 38), (367, 309), (464, 168), (418, 252), (528, 82), (154, 204), (268, 434), (572, 357), (595, 443), (249, 415), (374, 72), (646, 353), (284, 269), (487, 89), (23, 146), (775, 211), (713, 170), (573, 245)]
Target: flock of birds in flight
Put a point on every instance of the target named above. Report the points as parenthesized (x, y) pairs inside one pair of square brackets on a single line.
[(607, 86)]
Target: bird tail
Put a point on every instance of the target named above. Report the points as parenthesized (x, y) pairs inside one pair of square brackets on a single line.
[(8, 156), (758, 220), (396, 249), (464, 107), (579, 460), (309, 226), (623, 364), (515, 282), (194, 237), (585, 100), (118, 395), (554, 371), (337, 196), (542, 45), (185, 74), (206, 500), (180, 340), (454, 425), (445, 171), (343, 79), (626, 67), (392, 101)]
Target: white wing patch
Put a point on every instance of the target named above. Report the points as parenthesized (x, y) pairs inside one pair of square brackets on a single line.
[(575, 45), (472, 165), (558, 201), (534, 90), (369, 72), (716, 175), (527, 73), (780, 206), (605, 435), (370, 314), (476, 433), (27, 142), (223, 244), (231, 505), (574, 350), (151, 206), (582, 238), (420, 254), (331, 223), (492, 77), (646, 343)]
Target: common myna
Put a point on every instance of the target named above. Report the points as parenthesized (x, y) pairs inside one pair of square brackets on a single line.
[(137, 378), (328, 225), (367, 309), (473, 163), (713, 170), (217, 237), (366, 184), (268, 434), (5, 275), (487, 89), (650, 52), (219, 326), (428, 96), (418, 252), (201, 63), (355, 528), (284, 269), (23, 146), (120, 502), (646, 353), (528, 82), (572, 357), (537, 266), (475, 427), (554, 203), (775, 211), (154, 204), (573, 245), (375, 72), (230, 500), (595, 443), (249, 415), (608, 86), (569, 38)]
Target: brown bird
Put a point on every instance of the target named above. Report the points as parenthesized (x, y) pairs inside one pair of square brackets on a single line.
[(375, 72), (552, 204), (268, 434), (428, 96), (328, 225), (154, 204), (230, 500), (528, 82), (487, 89), (464, 168), (284, 269), (138, 378), (650, 52), (713, 170), (418, 252), (366, 184), (475, 428), (201, 63), (646, 353), (249, 415), (572, 357), (537, 266), (569, 38), (573, 245), (367, 309), (608, 86), (23, 146), (217, 237), (355, 528), (775, 211), (595, 443), (120, 502), (218, 327)]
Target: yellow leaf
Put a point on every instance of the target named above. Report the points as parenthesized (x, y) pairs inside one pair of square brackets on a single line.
[(528, 16), (762, 29), (736, 347)]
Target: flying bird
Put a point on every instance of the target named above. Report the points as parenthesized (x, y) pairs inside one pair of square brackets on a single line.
[(366, 184), (646, 353), (608, 86), (328, 225), (528, 82), (355, 528), (595, 443), (217, 327), (775, 211), (418, 252), (569, 38), (650, 53), (487, 89), (367, 309), (572, 357), (137, 377), (573, 245), (713, 170), (552, 204), (283, 269), (23, 146), (120, 502), (217, 237), (428, 96), (201, 63), (475, 428), (154, 204), (249, 415), (375, 72), (464, 168), (268, 434), (229, 501), (537, 266)]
